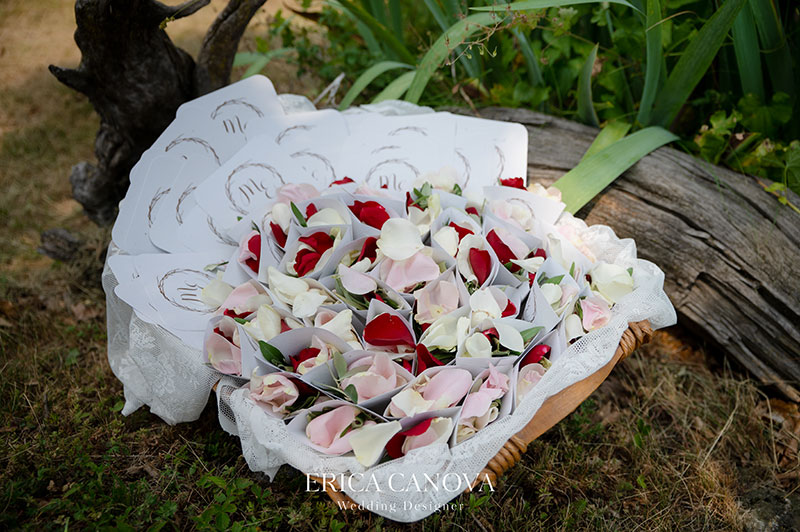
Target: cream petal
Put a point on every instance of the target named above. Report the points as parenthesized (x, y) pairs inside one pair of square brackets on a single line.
[(282, 215), (407, 403), (215, 293), (573, 327), (484, 306), (399, 239), (326, 216), (306, 304), (552, 293), (447, 239), (530, 265), (478, 346), (285, 287), (510, 338), (368, 442)]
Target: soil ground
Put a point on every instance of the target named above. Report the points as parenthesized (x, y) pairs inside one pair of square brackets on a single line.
[(672, 440)]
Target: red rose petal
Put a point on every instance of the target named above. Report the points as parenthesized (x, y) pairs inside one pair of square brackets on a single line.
[(510, 310), (387, 330), (462, 231), (303, 389), (473, 210), (515, 182), (311, 210), (418, 429), (254, 246), (394, 448), (481, 263), (540, 253), (369, 249), (503, 252), (536, 354), (305, 261), (425, 359), (374, 215), (491, 333), (302, 356), (230, 312), (319, 241), (277, 232), (284, 326), (371, 213), (218, 331), (342, 181)]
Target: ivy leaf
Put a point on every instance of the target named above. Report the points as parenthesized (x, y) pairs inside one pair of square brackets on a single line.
[(255, 227), (240, 320), (457, 190), (630, 271), (297, 214)]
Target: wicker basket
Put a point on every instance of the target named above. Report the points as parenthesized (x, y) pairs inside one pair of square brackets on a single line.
[(551, 412)]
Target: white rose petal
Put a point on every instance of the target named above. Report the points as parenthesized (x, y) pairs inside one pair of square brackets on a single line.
[(510, 338), (612, 282), (285, 287), (443, 179), (368, 442), (530, 265), (306, 304), (282, 215), (478, 346), (573, 327), (266, 326), (447, 238), (326, 216), (410, 402), (215, 293), (441, 334), (484, 306), (400, 239), (552, 293)]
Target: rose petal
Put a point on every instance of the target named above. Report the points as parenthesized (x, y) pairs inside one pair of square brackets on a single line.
[(478, 346), (368, 442), (515, 182), (388, 330), (324, 429), (356, 282), (399, 239), (447, 387), (406, 274), (438, 432)]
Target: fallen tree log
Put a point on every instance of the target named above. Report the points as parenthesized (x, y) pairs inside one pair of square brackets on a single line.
[(730, 251)]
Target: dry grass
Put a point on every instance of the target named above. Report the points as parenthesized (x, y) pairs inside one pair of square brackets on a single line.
[(670, 441)]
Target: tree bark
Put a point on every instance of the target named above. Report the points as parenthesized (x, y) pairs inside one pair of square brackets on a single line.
[(136, 78), (730, 251)]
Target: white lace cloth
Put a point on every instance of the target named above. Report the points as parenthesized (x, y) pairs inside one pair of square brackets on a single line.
[(159, 371)]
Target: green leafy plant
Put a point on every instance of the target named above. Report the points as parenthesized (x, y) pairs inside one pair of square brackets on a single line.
[(625, 65)]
